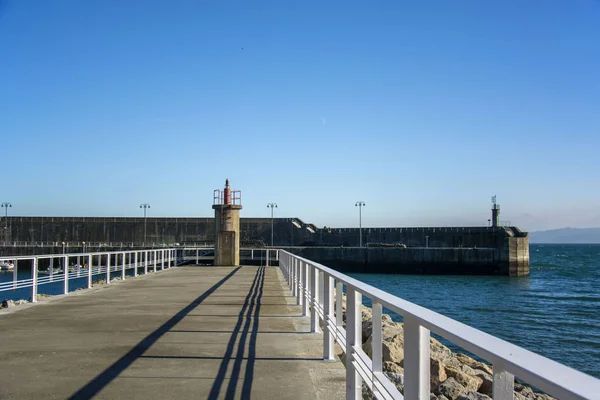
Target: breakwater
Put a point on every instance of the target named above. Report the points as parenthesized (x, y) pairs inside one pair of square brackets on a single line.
[(419, 260), (432, 250)]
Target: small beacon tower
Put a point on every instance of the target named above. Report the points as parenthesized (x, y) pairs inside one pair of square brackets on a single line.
[(227, 205), (495, 213)]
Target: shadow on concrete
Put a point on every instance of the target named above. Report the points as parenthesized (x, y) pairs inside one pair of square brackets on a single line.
[(109, 374), (251, 306), (242, 358)]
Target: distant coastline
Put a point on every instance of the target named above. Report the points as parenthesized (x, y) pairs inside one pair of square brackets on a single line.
[(566, 236)]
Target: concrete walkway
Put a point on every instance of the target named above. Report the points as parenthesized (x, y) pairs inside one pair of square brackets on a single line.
[(188, 332)]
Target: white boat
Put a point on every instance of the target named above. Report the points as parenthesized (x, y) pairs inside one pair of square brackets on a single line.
[(7, 266)]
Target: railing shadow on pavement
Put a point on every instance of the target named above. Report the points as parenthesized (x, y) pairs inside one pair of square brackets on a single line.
[(93, 387)]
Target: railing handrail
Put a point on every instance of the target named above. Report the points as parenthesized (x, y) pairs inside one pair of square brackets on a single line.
[(93, 253), (554, 378)]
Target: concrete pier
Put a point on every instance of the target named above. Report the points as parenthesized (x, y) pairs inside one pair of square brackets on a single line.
[(189, 332)]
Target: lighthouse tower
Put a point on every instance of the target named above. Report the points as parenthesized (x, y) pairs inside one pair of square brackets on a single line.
[(227, 204)]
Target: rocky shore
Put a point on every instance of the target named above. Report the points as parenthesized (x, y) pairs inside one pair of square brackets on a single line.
[(454, 376)]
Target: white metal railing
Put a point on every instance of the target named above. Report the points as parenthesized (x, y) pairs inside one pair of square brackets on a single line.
[(97, 263), (315, 287)]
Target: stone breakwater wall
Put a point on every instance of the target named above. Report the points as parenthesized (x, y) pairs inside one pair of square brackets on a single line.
[(454, 376)]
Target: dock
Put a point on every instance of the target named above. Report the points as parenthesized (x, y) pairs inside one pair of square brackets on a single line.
[(186, 332)]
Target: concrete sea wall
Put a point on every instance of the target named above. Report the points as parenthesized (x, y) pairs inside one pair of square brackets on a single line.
[(472, 250)]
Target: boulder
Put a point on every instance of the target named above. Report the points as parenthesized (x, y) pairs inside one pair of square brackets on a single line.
[(524, 391), (397, 380), (438, 351), (450, 388), (469, 382), (19, 302), (467, 370), (487, 382), (442, 397), (437, 372), (542, 396), (470, 395), (392, 367), (519, 396), (392, 351), (471, 362)]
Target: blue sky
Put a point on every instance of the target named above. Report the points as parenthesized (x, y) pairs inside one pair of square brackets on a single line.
[(421, 109)]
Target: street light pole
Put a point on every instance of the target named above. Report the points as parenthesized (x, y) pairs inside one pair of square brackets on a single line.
[(360, 204), (145, 206), (6, 204), (272, 206)]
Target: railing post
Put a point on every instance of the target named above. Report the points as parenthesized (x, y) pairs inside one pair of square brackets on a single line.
[(108, 268), (504, 382), (305, 288), (353, 338), (146, 262), (298, 283), (34, 275), (135, 263), (416, 360), (252, 254), (267, 257), (89, 277), (276, 255), (123, 267), (328, 353), (292, 277), (377, 339), (314, 299), (162, 259), (66, 271), (154, 255), (15, 273), (197, 257)]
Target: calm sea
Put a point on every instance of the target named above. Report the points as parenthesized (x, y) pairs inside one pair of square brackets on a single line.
[(554, 312)]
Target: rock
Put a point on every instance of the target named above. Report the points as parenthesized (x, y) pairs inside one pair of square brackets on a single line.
[(442, 397), (8, 303), (450, 388), (438, 351), (473, 396), (392, 351), (397, 380), (366, 392), (524, 391), (432, 396), (467, 370), (19, 302), (474, 364), (469, 382), (487, 382), (519, 396), (542, 396), (392, 367), (437, 372)]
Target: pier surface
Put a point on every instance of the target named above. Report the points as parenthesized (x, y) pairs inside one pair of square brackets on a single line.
[(188, 332)]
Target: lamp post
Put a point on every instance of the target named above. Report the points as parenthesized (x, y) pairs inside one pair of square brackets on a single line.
[(63, 244), (145, 206), (272, 206), (360, 204), (6, 204), (83, 247)]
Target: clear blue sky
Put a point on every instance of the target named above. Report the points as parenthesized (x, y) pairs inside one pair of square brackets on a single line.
[(421, 109)]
